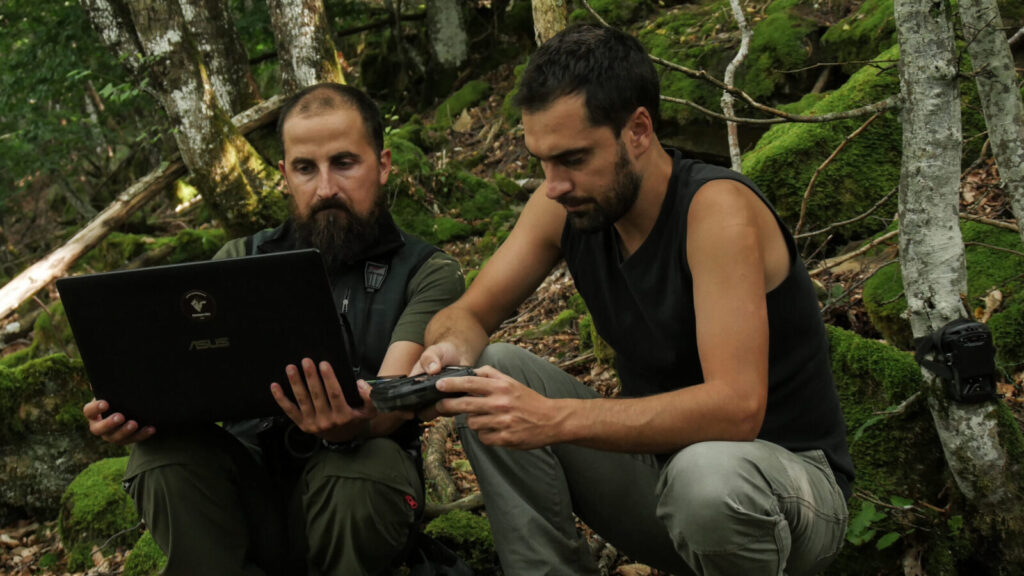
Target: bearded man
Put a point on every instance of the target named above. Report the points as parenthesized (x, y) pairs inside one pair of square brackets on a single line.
[(726, 453), (325, 488)]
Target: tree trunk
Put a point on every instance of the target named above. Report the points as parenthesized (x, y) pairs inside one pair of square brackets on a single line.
[(931, 248), (304, 45), (240, 187), (227, 63), (446, 30), (549, 18), (1000, 97)]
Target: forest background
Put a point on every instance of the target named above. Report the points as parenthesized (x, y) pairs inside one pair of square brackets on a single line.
[(101, 169)]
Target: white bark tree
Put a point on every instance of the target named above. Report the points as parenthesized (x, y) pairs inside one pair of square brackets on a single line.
[(549, 18), (1000, 96), (931, 247), (304, 46), (155, 43), (446, 30), (732, 128), (227, 63)]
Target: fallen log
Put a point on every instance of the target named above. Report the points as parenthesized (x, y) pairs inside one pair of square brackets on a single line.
[(56, 263)]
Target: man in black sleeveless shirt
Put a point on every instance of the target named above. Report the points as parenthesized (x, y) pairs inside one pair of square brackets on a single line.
[(727, 452)]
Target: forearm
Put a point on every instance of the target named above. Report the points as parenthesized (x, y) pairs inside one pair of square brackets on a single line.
[(460, 329), (657, 424)]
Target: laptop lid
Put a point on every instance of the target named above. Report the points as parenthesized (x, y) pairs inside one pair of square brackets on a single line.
[(203, 341)]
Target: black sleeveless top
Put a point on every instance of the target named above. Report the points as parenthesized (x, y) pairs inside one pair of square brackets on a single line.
[(643, 308)]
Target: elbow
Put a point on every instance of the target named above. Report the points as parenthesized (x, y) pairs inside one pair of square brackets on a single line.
[(748, 420)]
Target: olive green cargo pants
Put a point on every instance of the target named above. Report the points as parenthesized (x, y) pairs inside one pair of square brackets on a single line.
[(214, 509), (714, 508)]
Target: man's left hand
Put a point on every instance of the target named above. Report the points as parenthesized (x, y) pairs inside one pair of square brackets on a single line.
[(502, 411), (320, 408)]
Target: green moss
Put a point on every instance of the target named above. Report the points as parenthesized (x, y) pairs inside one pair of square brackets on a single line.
[(469, 536), (988, 267), (618, 13), (509, 111), (145, 559), (473, 92), (48, 560), (787, 156), (565, 320), (118, 249), (94, 509), (41, 393), (860, 36)]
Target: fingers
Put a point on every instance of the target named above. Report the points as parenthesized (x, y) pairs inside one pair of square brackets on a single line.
[(320, 407), (114, 428)]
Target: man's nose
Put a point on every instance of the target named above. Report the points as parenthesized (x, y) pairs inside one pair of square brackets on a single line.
[(558, 182), (323, 185)]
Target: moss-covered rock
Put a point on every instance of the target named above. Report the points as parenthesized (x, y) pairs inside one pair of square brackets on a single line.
[(473, 92), (509, 111), (993, 261), (904, 494), (861, 36), (44, 435), (118, 249), (96, 509), (469, 536), (145, 558), (787, 156)]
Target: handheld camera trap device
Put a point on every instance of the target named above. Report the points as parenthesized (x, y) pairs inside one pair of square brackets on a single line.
[(964, 360), (413, 392)]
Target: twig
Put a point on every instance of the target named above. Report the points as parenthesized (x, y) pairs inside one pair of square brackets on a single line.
[(814, 178), (730, 75), (832, 64), (902, 407), (1017, 37), (832, 227), (833, 262), (888, 103), (992, 247), (990, 222), (853, 287), (472, 502)]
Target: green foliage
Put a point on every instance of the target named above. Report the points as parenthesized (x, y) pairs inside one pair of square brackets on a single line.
[(145, 559), (993, 261), (468, 535), (118, 249), (860, 530), (509, 111), (51, 60), (94, 509)]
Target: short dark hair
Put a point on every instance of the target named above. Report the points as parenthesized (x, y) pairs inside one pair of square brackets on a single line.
[(310, 100), (609, 67)]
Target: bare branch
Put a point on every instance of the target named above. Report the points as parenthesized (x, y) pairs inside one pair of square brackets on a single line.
[(730, 75), (832, 227), (990, 222), (814, 178), (833, 262), (1017, 37)]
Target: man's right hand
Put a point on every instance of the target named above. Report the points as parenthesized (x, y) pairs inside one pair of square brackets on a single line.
[(437, 356), (114, 428)]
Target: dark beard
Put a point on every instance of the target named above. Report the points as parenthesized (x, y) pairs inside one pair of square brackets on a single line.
[(340, 235), (625, 191)]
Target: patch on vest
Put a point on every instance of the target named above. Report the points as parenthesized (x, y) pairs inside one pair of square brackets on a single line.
[(374, 275)]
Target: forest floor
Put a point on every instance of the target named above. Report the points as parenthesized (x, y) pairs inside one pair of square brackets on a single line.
[(27, 547)]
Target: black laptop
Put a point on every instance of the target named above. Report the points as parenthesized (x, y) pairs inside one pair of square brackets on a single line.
[(203, 341)]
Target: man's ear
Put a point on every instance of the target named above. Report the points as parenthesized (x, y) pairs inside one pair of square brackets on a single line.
[(385, 166), (639, 131), (284, 173)]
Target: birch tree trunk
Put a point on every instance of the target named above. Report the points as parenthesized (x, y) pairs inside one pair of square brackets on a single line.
[(1000, 96), (549, 18), (304, 46), (446, 29), (152, 38), (932, 251), (209, 23)]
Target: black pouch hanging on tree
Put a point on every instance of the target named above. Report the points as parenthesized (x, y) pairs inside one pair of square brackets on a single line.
[(964, 360)]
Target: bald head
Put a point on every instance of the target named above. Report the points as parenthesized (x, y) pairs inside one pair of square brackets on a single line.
[(320, 99)]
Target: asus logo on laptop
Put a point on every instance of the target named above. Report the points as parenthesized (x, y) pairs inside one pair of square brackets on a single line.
[(210, 344)]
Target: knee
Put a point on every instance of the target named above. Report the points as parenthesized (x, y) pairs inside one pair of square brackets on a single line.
[(712, 484), (503, 356)]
